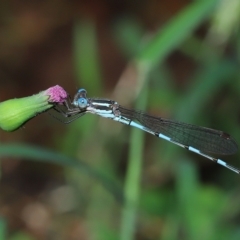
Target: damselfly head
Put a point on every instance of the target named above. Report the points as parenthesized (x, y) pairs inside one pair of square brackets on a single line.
[(80, 99)]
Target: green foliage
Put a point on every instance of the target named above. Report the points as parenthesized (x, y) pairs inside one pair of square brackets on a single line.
[(161, 194), (3, 228)]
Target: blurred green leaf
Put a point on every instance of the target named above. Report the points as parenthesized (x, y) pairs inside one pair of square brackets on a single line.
[(42, 155), (225, 21), (21, 236), (205, 83), (133, 176), (128, 33), (3, 228), (87, 65), (175, 31)]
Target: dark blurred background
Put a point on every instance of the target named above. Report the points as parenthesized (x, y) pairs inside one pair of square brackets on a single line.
[(176, 59)]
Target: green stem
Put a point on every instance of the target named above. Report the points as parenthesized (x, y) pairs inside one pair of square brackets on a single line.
[(133, 175)]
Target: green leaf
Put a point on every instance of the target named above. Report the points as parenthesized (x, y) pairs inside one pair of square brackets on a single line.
[(42, 155), (175, 31)]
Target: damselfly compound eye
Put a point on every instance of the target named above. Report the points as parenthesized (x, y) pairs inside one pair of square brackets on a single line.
[(82, 102), (82, 90)]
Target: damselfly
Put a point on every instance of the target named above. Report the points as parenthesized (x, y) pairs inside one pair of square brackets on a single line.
[(200, 140)]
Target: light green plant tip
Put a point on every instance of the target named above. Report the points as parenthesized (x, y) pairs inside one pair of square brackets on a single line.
[(15, 112)]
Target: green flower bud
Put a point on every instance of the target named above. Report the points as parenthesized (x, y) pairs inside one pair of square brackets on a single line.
[(15, 112)]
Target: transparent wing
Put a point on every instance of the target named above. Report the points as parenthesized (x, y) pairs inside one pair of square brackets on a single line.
[(204, 139)]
